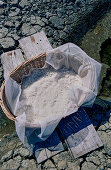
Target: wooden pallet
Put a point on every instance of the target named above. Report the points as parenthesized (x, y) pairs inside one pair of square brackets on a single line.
[(75, 130)]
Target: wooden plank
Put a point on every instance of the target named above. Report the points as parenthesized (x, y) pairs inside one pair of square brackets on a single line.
[(90, 143), (10, 60), (79, 133), (32, 46), (35, 44)]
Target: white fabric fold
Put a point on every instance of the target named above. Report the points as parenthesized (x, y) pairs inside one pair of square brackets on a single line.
[(70, 56)]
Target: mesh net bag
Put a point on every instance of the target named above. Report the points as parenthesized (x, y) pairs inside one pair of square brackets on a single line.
[(45, 89)]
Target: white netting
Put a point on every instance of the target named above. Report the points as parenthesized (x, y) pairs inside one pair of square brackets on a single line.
[(69, 79)]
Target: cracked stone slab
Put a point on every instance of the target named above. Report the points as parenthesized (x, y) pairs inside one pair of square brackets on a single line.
[(12, 163), (15, 12), (92, 42), (29, 164), (22, 152), (3, 32), (7, 43), (7, 156), (88, 165), (106, 139)]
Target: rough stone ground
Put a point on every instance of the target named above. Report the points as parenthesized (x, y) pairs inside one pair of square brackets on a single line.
[(92, 44), (63, 21), (17, 157)]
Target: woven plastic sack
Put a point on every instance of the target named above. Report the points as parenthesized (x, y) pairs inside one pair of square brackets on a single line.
[(70, 56)]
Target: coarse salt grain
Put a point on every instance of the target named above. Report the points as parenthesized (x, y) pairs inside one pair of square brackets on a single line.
[(46, 92)]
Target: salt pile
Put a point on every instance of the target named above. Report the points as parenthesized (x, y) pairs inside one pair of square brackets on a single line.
[(46, 92)]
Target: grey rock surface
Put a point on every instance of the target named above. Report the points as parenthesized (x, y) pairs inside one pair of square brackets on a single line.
[(71, 17), (12, 163), (7, 42), (96, 160), (22, 152), (92, 42), (3, 32)]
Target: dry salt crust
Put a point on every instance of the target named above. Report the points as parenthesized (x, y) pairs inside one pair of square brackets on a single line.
[(46, 92)]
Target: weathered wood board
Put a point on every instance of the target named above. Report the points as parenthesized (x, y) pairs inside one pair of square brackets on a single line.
[(35, 44), (79, 133), (10, 60)]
